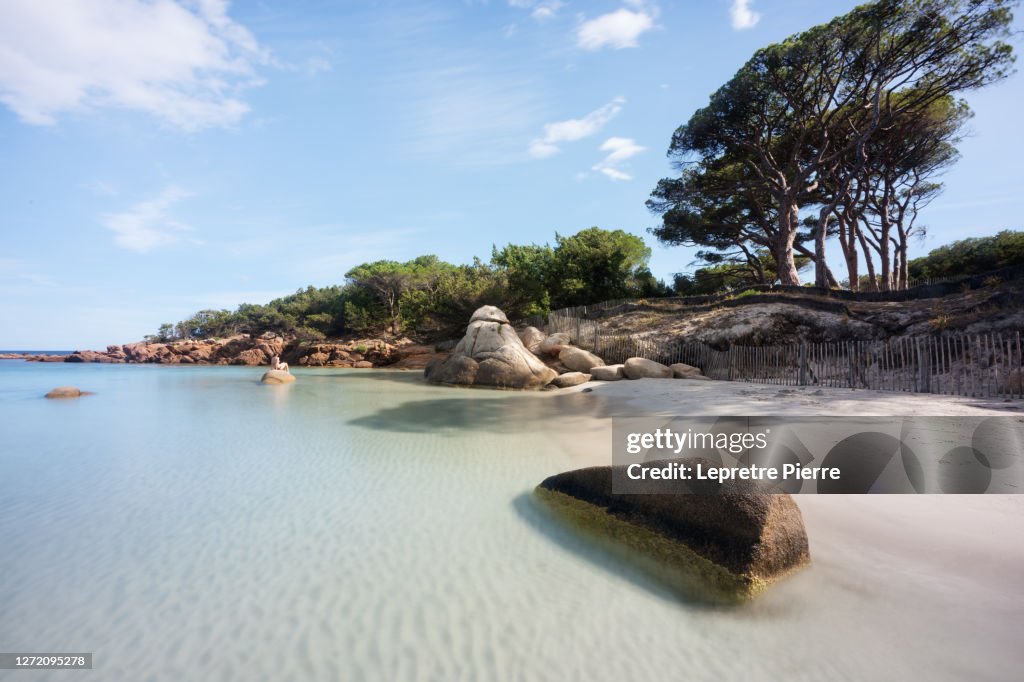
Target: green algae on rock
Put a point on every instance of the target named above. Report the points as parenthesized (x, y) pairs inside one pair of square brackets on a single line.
[(726, 544)]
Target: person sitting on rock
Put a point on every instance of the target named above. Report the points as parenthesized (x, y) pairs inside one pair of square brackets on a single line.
[(275, 363)]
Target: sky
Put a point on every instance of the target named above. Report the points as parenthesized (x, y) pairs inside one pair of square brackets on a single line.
[(159, 157)]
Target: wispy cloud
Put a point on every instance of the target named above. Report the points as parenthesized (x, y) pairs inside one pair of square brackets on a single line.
[(617, 30), (101, 187), (22, 276), (315, 65), (185, 63), (148, 224), (574, 129), (469, 115), (742, 16), (619, 149)]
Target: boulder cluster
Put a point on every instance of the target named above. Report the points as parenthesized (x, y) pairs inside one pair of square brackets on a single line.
[(492, 353)]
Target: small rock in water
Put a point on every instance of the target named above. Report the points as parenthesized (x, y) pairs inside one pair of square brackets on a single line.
[(276, 376), (65, 392)]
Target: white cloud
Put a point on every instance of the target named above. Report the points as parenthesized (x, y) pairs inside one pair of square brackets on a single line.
[(546, 10), (574, 129), (148, 225), (539, 149), (540, 10), (618, 29), (614, 174), (619, 149), (742, 16), (183, 62)]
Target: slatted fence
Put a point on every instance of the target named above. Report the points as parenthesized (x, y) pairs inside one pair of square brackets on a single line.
[(977, 365)]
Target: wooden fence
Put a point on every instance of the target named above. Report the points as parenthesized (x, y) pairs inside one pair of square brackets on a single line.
[(977, 365)]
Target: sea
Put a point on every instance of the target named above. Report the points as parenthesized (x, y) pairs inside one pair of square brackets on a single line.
[(189, 523), (37, 352)]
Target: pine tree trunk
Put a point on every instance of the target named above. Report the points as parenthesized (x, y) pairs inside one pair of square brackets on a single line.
[(821, 274), (784, 261)]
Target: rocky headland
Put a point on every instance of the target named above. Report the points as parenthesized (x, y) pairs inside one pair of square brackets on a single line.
[(244, 349), (491, 353)]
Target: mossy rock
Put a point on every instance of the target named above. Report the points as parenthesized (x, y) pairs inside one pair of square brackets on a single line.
[(728, 545)]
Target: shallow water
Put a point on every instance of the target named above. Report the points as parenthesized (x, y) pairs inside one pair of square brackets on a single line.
[(187, 523)]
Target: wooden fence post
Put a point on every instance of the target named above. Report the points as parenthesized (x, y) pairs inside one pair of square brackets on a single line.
[(924, 366), (849, 361), (803, 364)]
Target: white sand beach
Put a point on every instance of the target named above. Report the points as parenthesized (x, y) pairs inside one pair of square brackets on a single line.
[(712, 398)]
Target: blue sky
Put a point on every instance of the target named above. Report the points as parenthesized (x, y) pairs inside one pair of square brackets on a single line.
[(161, 157)]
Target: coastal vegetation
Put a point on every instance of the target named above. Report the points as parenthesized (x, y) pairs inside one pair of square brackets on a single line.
[(973, 256), (434, 298), (429, 296)]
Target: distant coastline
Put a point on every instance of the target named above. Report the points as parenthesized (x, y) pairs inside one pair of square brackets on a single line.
[(36, 352)]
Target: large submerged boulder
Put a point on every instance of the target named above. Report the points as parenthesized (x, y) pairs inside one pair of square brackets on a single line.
[(490, 354), (729, 541)]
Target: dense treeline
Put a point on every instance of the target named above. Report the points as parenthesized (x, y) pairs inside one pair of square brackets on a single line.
[(837, 133), (428, 296), (435, 297), (964, 258), (974, 256)]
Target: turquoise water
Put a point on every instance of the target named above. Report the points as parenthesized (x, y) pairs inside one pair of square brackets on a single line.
[(188, 523)]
